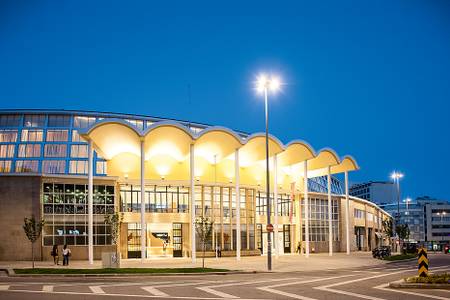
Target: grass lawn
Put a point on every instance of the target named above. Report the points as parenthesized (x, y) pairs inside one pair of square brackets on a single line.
[(399, 257), (116, 271), (433, 278)]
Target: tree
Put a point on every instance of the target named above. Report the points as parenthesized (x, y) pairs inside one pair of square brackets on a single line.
[(388, 228), (403, 232), (33, 230), (203, 227), (114, 220)]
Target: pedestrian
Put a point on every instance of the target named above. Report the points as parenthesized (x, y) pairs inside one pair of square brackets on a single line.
[(299, 250), (55, 254), (219, 254), (66, 255)]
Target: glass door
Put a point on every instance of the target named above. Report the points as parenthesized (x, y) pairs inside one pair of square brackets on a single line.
[(177, 240)]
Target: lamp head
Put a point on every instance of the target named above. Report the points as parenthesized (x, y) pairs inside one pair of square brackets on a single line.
[(264, 82)]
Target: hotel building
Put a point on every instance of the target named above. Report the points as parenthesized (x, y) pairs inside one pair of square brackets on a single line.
[(71, 168)]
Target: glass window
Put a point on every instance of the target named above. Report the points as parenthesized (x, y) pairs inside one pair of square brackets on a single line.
[(27, 166), (34, 121), (76, 137), (55, 150), (5, 166), (58, 121), (101, 167), (7, 151), (8, 136), (53, 166), (34, 135), (80, 151), (57, 135), (29, 150), (78, 167), (83, 122), (137, 123), (10, 120)]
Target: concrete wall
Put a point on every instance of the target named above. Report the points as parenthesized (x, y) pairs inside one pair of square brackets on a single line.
[(19, 198)]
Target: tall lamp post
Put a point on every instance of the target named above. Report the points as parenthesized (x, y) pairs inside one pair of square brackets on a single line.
[(396, 176), (263, 85)]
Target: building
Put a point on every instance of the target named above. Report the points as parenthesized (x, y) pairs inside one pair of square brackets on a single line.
[(72, 168), (380, 192), (428, 220)]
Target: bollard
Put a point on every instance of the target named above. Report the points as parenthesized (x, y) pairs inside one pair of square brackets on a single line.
[(423, 262)]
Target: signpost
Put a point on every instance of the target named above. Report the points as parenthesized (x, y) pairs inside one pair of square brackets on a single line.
[(423, 262), (269, 228)]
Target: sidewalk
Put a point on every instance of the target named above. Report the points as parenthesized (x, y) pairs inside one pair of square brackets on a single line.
[(285, 263)]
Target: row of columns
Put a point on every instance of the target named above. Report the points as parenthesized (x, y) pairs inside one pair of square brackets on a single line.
[(238, 205)]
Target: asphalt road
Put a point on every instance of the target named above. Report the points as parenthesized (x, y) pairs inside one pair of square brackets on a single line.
[(364, 283)]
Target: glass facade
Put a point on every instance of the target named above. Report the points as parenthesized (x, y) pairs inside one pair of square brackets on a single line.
[(318, 219), (64, 209)]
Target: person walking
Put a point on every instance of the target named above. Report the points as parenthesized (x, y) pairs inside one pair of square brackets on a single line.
[(298, 248), (55, 254), (66, 255)]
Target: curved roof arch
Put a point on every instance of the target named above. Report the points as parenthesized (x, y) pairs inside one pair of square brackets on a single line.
[(327, 157), (112, 137), (254, 148), (295, 152), (167, 138), (216, 143), (348, 163)]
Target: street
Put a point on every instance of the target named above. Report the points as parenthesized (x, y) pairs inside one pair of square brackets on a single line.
[(345, 283)]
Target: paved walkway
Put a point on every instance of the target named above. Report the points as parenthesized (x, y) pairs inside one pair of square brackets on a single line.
[(285, 263)]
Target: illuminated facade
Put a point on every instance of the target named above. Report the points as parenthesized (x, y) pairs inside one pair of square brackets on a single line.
[(90, 164)]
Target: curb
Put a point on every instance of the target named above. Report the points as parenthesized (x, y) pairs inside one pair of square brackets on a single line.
[(11, 273), (405, 285)]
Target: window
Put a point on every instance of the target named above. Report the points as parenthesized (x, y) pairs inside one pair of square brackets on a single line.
[(7, 151), (29, 150), (5, 166), (101, 167), (318, 209), (78, 167), (76, 136), (139, 124), (27, 166), (9, 120), (57, 135), (55, 150), (31, 135), (359, 214), (53, 166), (80, 151), (34, 121), (58, 121), (83, 122), (8, 136)]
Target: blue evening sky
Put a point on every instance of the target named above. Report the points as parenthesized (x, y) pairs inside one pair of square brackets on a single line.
[(366, 78)]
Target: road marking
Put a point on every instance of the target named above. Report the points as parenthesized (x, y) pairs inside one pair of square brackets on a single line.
[(327, 288), (271, 289), (384, 287), (4, 287), (211, 288), (47, 288), (374, 272), (155, 291), (96, 289)]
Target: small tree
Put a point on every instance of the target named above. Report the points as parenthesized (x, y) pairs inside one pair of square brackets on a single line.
[(33, 231), (388, 228), (203, 227), (403, 232), (114, 220)]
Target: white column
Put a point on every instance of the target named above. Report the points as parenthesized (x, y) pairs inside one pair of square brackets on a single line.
[(275, 204), (305, 195), (238, 205), (330, 228), (90, 203), (143, 227), (192, 199), (347, 214)]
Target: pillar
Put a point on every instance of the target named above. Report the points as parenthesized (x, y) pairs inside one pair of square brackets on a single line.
[(330, 228), (192, 199), (143, 227), (275, 205), (91, 202), (238, 205), (305, 195), (347, 215)]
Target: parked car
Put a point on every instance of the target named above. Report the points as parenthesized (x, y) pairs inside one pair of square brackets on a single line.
[(447, 249), (409, 248), (381, 252)]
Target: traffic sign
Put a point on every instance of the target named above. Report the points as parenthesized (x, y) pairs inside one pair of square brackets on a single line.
[(269, 228)]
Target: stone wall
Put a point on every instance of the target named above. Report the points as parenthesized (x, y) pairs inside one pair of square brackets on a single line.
[(19, 198)]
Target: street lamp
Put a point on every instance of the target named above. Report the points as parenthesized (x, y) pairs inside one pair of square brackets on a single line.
[(396, 176), (265, 83)]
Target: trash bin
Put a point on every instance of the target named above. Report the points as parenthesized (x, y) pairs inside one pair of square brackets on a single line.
[(110, 260)]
